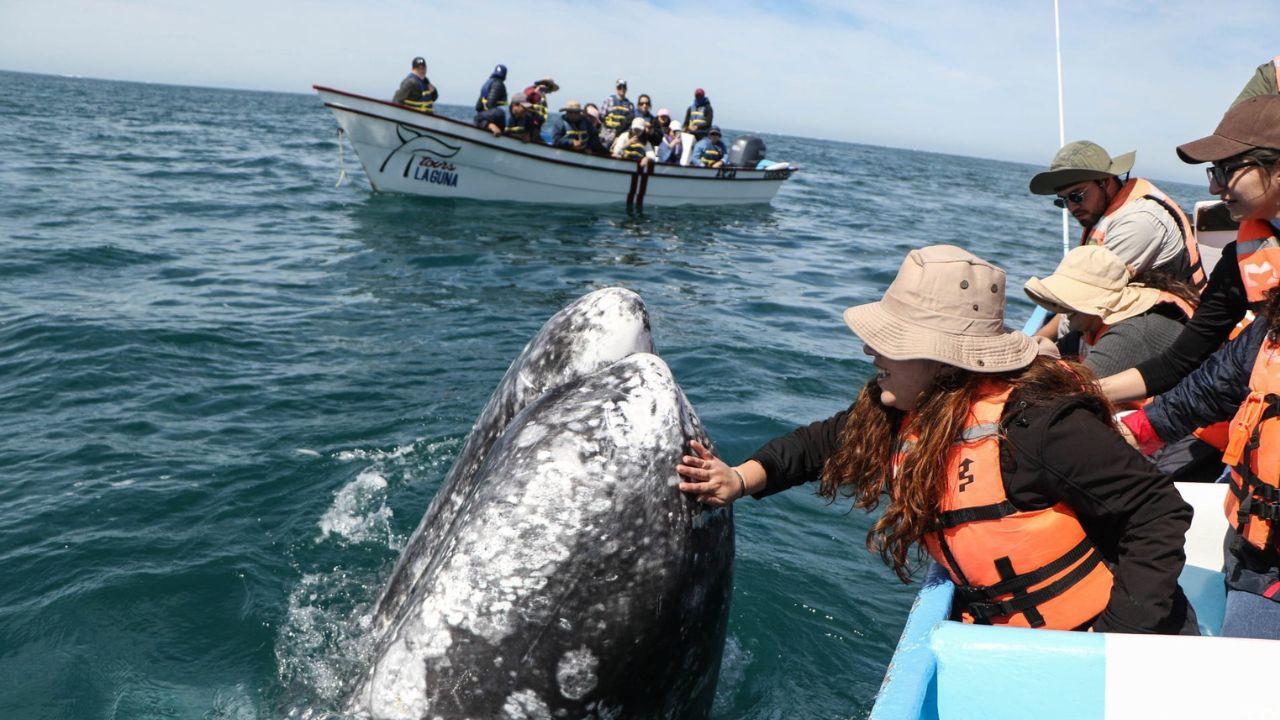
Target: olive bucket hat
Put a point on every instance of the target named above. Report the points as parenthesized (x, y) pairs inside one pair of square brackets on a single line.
[(1078, 161), (946, 304)]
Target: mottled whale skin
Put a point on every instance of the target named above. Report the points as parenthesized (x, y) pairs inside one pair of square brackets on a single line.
[(559, 573), (590, 333), (575, 580)]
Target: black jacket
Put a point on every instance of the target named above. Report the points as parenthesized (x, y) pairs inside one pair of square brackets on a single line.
[(1132, 513)]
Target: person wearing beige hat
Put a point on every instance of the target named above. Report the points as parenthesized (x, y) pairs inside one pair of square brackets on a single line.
[(1115, 322), (573, 130), (971, 434), (1129, 215), (1244, 152)]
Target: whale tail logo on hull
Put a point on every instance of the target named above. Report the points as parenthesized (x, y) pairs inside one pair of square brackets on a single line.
[(428, 144)]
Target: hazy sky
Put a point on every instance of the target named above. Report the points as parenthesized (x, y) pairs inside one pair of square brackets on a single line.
[(958, 76)]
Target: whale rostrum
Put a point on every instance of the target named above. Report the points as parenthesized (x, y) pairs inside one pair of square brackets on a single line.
[(559, 572)]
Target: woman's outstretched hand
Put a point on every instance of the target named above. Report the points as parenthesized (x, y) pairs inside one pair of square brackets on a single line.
[(709, 478)]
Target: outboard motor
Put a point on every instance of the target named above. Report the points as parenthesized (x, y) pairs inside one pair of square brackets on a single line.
[(747, 151)]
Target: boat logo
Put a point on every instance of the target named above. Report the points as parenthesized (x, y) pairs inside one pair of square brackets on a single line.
[(418, 144)]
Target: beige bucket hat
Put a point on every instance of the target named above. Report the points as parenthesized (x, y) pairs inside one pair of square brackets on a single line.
[(1092, 280), (1078, 161), (946, 304)]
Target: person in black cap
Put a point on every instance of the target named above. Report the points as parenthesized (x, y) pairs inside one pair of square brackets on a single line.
[(710, 151), (416, 91), (616, 113)]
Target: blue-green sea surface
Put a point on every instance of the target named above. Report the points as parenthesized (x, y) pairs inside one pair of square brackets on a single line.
[(230, 388)]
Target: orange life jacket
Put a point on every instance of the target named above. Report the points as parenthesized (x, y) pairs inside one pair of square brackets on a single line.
[(1137, 189), (1253, 452), (1258, 253), (1033, 568)]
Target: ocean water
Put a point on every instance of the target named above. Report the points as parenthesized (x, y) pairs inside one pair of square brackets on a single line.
[(230, 388)]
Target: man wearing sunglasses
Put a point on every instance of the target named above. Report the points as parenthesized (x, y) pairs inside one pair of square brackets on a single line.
[(1129, 216)]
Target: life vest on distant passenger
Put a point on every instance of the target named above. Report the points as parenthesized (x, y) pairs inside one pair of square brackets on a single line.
[(712, 153), (634, 150), (1034, 568), (1253, 452), (574, 134), (1139, 189), (1258, 253), (619, 114), (1090, 340), (516, 126), (697, 119), (422, 104), (483, 103)]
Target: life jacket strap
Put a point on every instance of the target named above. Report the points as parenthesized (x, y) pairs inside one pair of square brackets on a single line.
[(986, 611), (1015, 583), (955, 518)]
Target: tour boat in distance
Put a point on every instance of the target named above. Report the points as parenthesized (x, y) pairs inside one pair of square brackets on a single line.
[(404, 150)]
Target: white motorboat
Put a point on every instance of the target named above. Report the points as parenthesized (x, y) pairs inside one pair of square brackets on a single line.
[(403, 150)]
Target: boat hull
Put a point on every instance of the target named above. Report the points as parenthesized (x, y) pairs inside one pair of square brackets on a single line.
[(406, 151)]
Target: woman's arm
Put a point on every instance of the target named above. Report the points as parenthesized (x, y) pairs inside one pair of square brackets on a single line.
[(786, 461)]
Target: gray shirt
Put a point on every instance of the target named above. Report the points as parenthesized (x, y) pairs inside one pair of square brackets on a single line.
[(1132, 341)]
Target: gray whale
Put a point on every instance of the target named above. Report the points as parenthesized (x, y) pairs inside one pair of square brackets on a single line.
[(559, 573)]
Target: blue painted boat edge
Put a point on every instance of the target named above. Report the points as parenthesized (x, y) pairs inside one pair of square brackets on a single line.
[(1038, 318), (910, 679), (1016, 673)]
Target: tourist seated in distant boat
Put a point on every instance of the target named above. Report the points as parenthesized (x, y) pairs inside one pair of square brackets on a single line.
[(593, 115), (670, 150), (1117, 321), (710, 150), (416, 91), (574, 131), (1263, 81), (698, 120), (537, 94), (514, 120), (1245, 173), (493, 93), (659, 127), (634, 144), (992, 455), (616, 114)]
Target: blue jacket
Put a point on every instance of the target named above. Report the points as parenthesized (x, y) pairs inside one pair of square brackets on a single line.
[(561, 138), (492, 94), (702, 146), (1213, 392)]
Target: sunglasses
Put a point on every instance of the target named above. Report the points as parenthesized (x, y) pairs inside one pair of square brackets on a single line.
[(1220, 175), (1074, 197)]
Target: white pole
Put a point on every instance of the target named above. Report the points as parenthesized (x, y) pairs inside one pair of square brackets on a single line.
[(1062, 127)]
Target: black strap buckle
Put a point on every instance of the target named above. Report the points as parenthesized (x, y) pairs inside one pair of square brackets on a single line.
[(985, 611)]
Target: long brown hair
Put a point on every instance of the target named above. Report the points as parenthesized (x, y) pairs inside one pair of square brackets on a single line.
[(1163, 280), (862, 468)]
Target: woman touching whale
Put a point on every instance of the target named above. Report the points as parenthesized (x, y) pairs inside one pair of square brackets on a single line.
[(972, 436)]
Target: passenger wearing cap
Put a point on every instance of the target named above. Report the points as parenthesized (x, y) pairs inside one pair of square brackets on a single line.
[(573, 130), (1245, 173), (634, 145), (537, 94), (1118, 321), (710, 151), (660, 127), (672, 146), (1115, 321), (493, 93), (970, 435), (514, 120), (616, 113), (1130, 216), (416, 91)]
